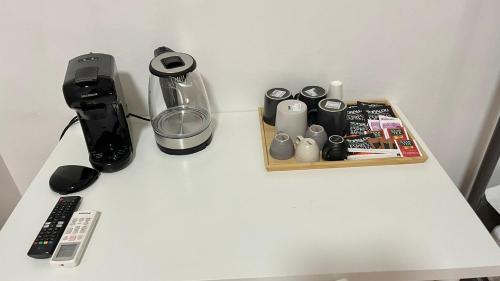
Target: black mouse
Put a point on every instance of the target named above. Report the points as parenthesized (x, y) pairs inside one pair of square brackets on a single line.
[(72, 178)]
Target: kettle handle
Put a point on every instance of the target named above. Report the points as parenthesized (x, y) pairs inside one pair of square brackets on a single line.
[(160, 50), (169, 94)]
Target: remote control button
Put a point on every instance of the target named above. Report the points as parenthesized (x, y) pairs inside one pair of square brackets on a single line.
[(68, 231), (72, 238)]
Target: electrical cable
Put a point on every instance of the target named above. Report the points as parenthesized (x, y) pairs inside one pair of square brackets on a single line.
[(138, 117), (71, 122), (75, 120)]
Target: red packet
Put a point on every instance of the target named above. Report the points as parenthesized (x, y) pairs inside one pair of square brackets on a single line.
[(396, 133), (408, 148), (376, 134)]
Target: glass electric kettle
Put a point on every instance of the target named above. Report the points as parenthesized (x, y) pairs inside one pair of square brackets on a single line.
[(178, 103)]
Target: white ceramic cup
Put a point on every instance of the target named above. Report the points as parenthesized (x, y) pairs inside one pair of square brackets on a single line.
[(306, 150), (335, 90), (291, 118)]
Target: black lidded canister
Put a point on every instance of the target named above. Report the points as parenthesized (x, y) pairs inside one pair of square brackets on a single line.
[(311, 96), (332, 115), (272, 98)]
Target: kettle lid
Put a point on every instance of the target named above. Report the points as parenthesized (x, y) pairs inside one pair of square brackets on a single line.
[(172, 64)]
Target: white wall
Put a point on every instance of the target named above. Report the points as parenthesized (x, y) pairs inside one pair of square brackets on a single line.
[(9, 194), (439, 59)]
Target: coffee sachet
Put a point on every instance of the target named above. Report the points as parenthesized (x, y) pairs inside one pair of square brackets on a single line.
[(370, 104), (357, 128), (376, 134), (373, 113), (396, 134), (355, 113), (358, 142), (408, 148)]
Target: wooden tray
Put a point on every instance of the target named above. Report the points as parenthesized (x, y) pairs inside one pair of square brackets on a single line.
[(268, 132)]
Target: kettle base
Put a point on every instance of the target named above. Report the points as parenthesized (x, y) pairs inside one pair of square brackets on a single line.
[(186, 151)]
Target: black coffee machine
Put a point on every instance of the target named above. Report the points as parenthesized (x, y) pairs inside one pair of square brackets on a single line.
[(92, 88)]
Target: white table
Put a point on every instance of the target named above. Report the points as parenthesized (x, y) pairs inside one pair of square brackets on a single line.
[(219, 215)]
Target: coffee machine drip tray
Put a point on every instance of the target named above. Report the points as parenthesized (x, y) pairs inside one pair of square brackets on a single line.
[(181, 122)]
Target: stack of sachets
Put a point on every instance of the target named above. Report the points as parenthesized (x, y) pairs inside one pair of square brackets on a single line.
[(373, 131)]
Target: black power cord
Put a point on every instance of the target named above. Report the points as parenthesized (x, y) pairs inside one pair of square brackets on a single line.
[(138, 117), (75, 119), (71, 122)]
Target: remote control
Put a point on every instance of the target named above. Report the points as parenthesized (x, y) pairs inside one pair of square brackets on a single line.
[(52, 230), (76, 236)]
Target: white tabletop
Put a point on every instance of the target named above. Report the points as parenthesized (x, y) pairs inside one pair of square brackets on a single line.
[(218, 214)]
